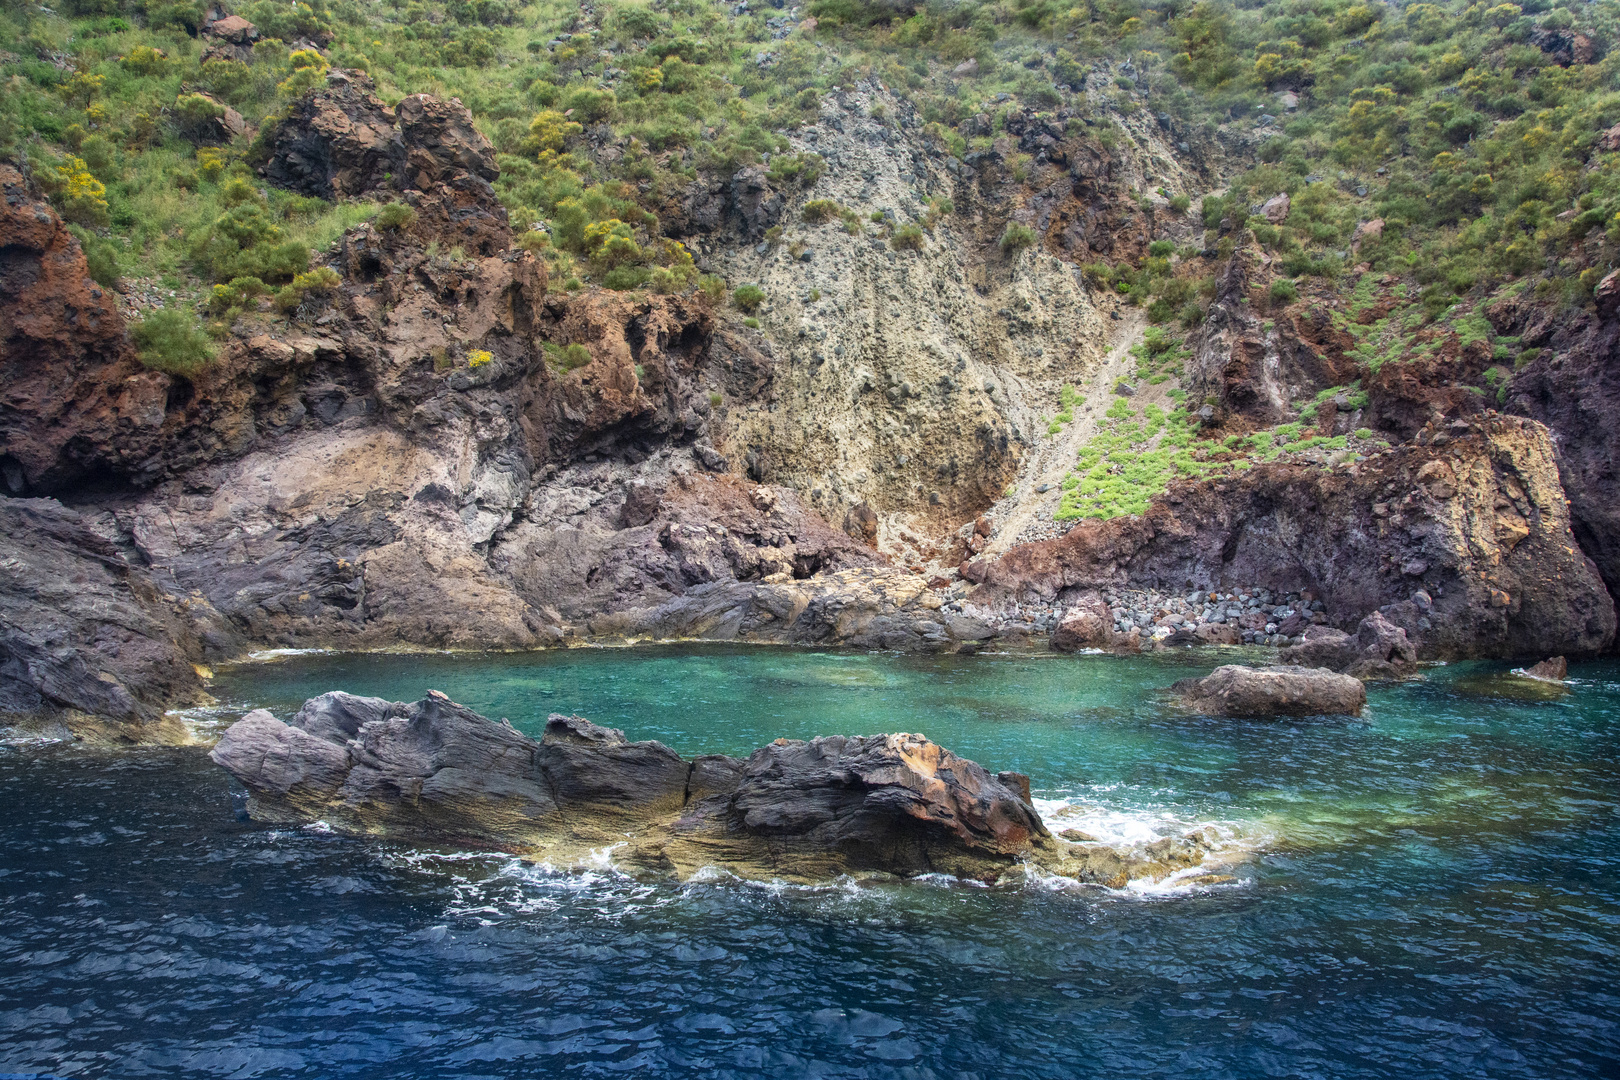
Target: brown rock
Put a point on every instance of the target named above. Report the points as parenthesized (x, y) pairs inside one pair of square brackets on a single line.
[(1276, 208), (77, 401), (1234, 690), (1366, 232), (1607, 293), (1087, 624), (861, 522), (1554, 669), (234, 29)]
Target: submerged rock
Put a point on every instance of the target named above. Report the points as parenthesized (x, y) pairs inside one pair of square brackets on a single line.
[(793, 810), (1234, 690)]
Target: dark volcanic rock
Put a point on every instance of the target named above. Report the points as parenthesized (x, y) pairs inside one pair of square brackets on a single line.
[(1553, 669), (886, 802), (1234, 690), (82, 633), (341, 141), (1377, 649), (337, 142), (435, 769)]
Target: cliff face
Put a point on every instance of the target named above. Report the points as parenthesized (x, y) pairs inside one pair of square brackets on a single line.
[(1464, 541), (1574, 388), (78, 406)]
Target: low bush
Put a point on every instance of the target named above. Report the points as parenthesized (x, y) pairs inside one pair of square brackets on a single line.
[(1016, 238), (817, 211), (907, 238), (748, 298), (169, 340), (395, 217)]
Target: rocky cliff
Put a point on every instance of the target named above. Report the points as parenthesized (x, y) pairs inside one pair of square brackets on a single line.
[(449, 449)]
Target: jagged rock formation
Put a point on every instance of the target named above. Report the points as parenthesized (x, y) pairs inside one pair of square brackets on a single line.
[(1463, 542), (84, 636), (1237, 691), (1573, 387), (793, 810)]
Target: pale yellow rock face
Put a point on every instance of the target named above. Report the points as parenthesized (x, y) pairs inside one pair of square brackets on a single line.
[(913, 381)]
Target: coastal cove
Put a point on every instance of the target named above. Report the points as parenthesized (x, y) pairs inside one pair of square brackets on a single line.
[(1428, 890)]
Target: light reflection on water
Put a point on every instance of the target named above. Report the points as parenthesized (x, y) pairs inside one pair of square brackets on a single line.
[(1436, 894)]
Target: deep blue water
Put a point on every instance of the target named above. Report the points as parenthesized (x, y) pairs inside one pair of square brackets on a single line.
[(1431, 891)]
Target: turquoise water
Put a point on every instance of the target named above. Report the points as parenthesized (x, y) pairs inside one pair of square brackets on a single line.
[(1428, 891)]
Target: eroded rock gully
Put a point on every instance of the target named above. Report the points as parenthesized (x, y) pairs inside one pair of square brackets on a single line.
[(791, 811), (352, 477)]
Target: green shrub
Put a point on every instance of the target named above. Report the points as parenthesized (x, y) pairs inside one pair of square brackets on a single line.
[(748, 298), (170, 341), (1160, 249), (1283, 291), (817, 211), (396, 217), (1016, 238), (236, 294), (907, 238), (567, 357), (713, 287), (318, 281)]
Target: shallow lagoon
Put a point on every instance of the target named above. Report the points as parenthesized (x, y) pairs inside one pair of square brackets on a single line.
[(1430, 891)]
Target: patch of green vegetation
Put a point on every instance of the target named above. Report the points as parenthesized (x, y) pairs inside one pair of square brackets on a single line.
[(168, 340), (567, 357)]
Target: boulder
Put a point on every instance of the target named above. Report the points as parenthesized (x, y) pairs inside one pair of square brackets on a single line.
[(1087, 624), (1276, 208), (1378, 649), (339, 141), (1235, 690), (898, 803), (1554, 669)]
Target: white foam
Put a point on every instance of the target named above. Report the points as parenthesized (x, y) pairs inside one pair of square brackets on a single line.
[(1129, 829), (265, 655)]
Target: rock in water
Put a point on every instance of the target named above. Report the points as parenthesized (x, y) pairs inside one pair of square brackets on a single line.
[(1553, 669), (1234, 690), (805, 810)]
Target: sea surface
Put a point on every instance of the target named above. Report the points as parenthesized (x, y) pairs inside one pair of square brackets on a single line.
[(1430, 891)]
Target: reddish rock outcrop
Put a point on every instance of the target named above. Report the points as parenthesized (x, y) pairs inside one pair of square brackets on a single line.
[(77, 404), (1256, 369)]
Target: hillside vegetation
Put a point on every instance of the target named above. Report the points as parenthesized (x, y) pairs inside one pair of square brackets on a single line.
[(1475, 134)]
